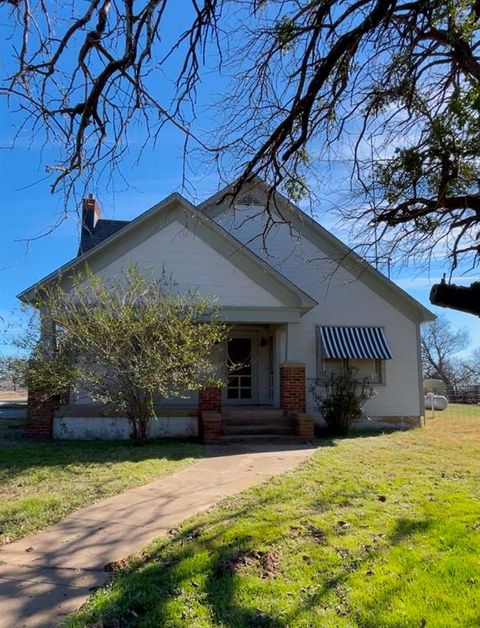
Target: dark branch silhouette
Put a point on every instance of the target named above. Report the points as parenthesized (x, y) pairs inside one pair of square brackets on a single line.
[(300, 81)]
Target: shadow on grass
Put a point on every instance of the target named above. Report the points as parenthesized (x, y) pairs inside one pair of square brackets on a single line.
[(200, 571), (11, 430), (195, 560), (405, 528), (18, 457), (322, 439), (325, 437)]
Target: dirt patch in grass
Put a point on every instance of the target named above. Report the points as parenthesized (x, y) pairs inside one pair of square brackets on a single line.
[(264, 563), (317, 534)]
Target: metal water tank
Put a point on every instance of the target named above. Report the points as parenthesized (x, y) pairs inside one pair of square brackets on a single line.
[(435, 402)]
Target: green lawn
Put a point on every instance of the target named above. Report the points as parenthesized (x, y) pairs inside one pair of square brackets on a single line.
[(372, 531), (41, 482), (460, 413)]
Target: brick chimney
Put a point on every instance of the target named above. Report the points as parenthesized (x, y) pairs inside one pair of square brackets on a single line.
[(91, 213)]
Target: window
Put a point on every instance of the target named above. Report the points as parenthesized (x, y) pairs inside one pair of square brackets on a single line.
[(370, 369)]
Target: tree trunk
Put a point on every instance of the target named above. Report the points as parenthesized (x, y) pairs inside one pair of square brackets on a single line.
[(143, 423), (139, 429), (134, 434), (139, 413)]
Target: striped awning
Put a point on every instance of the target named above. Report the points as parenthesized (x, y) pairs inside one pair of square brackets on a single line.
[(355, 342)]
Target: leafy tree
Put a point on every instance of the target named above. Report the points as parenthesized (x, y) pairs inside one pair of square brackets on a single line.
[(129, 342), (12, 371), (3, 372), (16, 371), (298, 79)]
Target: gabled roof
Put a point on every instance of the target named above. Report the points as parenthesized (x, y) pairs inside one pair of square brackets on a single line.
[(330, 244), (142, 227)]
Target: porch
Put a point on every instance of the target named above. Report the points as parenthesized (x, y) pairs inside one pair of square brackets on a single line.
[(263, 398)]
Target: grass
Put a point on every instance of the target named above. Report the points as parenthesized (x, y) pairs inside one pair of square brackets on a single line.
[(460, 413), (41, 482), (10, 430), (378, 531)]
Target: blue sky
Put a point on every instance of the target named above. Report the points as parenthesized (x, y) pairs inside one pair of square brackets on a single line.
[(29, 210)]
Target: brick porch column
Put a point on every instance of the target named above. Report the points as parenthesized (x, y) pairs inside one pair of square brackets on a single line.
[(292, 387), (40, 412), (209, 414), (210, 399), (304, 426)]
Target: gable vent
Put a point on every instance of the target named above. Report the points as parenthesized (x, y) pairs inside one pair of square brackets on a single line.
[(248, 199)]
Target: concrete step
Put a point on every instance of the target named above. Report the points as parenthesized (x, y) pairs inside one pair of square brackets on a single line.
[(251, 414), (264, 420), (270, 427), (260, 439)]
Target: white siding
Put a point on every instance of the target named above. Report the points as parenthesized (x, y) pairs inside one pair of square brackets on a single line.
[(193, 264), (342, 300)]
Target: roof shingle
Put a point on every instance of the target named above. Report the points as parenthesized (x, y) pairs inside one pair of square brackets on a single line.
[(103, 230)]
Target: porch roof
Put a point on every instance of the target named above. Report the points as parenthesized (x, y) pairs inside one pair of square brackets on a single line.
[(261, 315)]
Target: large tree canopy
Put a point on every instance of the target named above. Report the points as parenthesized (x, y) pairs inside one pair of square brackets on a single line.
[(299, 80)]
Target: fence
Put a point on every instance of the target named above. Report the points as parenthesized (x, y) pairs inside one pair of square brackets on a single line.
[(463, 407)]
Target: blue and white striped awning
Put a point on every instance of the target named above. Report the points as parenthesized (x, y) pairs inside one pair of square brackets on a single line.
[(355, 342)]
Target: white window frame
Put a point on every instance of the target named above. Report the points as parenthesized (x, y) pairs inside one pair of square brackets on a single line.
[(322, 362), (380, 368)]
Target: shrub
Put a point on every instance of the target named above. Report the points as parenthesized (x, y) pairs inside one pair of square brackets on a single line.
[(342, 399)]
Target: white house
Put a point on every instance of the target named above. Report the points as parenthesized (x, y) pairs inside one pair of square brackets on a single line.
[(301, 303)]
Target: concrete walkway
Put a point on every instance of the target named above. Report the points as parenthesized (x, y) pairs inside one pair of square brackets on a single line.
[(47, 575)]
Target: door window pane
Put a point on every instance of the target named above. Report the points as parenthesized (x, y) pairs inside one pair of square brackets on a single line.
[(239, 364), (240, 353)]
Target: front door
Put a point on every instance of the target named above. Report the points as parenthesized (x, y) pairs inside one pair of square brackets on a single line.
[(241, 369)]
